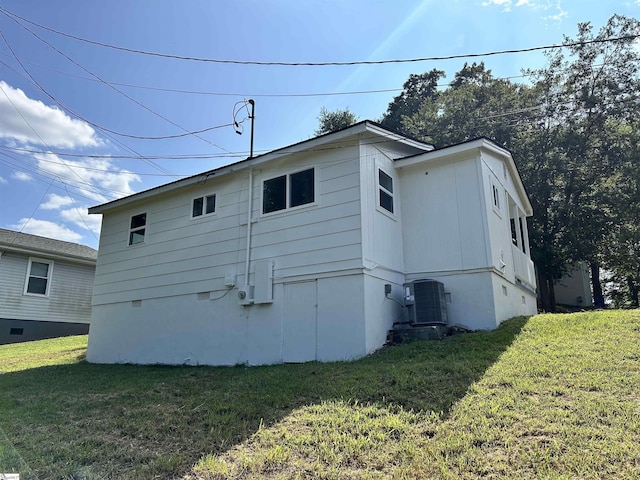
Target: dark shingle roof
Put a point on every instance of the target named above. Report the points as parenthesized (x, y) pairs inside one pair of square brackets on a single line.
[(24, 241)]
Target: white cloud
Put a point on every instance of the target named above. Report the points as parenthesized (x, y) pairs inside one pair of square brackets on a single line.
[(81, 218), (545, 6), (52, 126), (22, 176), (55, 202), (2, 180), (109, 180), (45, 228)]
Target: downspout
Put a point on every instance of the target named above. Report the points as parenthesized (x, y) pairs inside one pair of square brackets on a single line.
[(250, 199), (249, 214)]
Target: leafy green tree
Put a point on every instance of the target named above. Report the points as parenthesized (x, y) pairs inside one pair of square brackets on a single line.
[(331, 121), (415, 90)]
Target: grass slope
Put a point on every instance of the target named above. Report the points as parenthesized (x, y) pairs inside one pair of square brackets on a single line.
[(554, 397)]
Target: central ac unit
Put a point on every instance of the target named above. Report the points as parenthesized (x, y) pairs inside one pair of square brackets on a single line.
[(426, 303)]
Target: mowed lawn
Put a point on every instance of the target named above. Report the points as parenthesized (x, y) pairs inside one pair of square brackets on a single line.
[(555, 396)]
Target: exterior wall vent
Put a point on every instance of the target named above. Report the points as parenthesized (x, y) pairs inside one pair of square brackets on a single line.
[(426, 302)]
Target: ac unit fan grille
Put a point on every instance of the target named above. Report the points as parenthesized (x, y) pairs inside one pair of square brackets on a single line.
[(430, 304)]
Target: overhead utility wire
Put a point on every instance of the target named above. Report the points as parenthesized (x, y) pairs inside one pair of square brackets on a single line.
[(317, 64), (196, 156), (30, 78), (227, 94), (43, 141), (195, 134)]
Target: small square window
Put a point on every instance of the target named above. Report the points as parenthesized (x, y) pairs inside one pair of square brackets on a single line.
[(137, 231), (203, 206), (16, 331)]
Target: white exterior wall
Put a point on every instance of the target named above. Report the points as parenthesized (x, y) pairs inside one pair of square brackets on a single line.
[(69, 297), (518, 300), (453, 234), (443, 225), (150, 292)]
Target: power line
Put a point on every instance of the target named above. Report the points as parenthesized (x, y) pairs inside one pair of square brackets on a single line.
[(314, 64), (230, 94), (187, 132), (195, 156), (35, 83)]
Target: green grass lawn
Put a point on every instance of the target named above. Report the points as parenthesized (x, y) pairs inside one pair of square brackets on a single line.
[(557, 396)]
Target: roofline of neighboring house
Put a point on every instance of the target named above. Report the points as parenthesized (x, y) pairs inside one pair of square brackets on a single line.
[(480, 143), (305, 145), (42, 253)]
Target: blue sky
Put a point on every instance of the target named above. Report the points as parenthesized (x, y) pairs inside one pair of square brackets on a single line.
[(46, 193)]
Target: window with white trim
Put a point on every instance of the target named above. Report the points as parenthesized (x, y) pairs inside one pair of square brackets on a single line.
[(288, 191), (38, 277), (203, 206), (137, 229), (385, 184), (496, 196)]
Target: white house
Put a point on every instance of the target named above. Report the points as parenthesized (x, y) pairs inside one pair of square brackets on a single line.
[(45, 287), (574, 288), (287, 257)]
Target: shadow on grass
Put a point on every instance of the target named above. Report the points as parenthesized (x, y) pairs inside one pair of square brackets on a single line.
[(126, 421)]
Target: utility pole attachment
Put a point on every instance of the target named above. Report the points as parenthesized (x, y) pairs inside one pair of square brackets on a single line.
[(253, 119)]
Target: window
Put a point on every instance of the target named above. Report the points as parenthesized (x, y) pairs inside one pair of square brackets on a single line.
[(496, 197), (38, 277), (203, 206), (138, 228), (288, 191), (386, 191)]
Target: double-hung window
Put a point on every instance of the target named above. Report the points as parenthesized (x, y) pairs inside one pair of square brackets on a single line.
[(38, 277), (203, 206), (288, 191), (385, 183), (137, 229)]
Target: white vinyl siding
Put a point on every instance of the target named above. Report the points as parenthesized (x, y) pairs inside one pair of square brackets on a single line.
[(69, 298), (187, 257)]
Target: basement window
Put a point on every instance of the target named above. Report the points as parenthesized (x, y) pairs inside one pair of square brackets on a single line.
[(16, 331), (38, 277), (137, 229), (288, 191), (385, 182), (203, 206)]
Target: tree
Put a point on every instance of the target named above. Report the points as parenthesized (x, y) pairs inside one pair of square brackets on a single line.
[(330, 121), (415, 91)]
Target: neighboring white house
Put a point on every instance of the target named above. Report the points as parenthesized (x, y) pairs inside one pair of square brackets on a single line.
[(45, 287), (287, 257), (574, 289)]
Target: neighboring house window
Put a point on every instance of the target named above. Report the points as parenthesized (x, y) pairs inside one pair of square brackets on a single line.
[(138, 228), (385, 183), (38, 277), (203, 206), (288, 191)]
